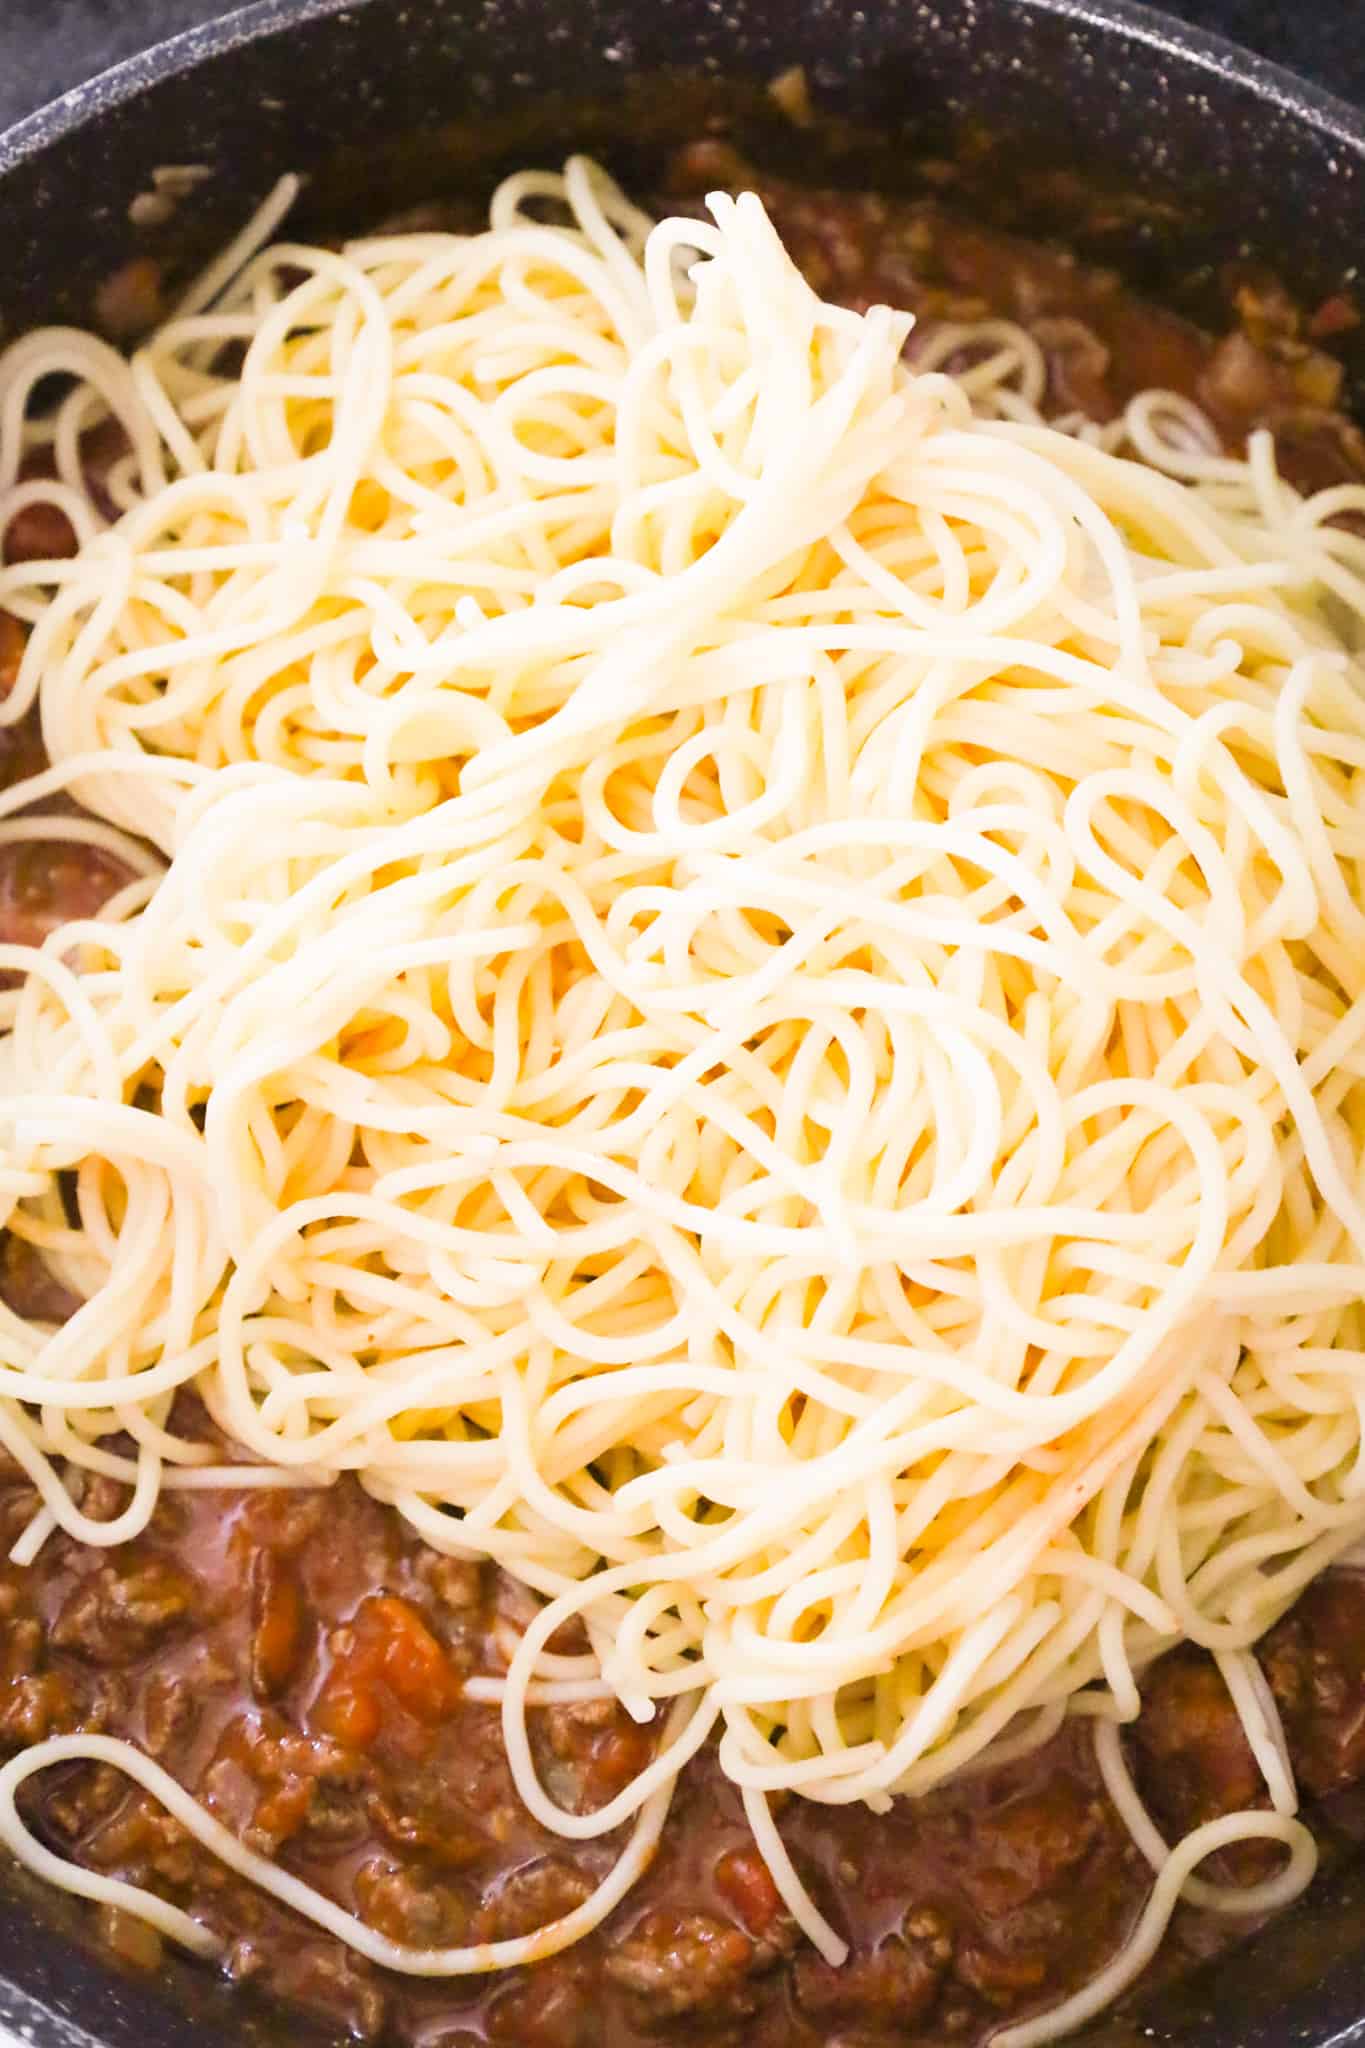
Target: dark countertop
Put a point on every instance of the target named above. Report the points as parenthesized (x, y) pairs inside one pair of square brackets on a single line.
[(47, 45)]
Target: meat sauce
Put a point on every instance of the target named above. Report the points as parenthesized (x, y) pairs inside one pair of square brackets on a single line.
[(300, 1660)]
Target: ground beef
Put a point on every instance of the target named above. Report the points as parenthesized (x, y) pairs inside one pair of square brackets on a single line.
[(121, 1610), (169, 1715), (556, 2005), (530, 1898), (676, 1964), (44, 883), (1194, 1761), (27, 1285), (408, 1905), (895, 1985), (49, 882), (1315, 1661), (40, 532)]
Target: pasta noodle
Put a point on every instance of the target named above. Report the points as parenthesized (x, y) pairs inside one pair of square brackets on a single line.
[(750, 1000)]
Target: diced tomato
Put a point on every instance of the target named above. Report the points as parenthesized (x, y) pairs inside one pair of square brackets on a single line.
[(1336, 315), (282, 1812), (415, 1667), (348, 1711), (389, 1650), (277, 1637), (745, 1882), (11, 651), (617, 1758)]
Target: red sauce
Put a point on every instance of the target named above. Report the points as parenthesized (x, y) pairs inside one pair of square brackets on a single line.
[(325, 1720)]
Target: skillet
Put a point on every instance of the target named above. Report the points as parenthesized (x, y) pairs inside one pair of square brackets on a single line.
[(1189, 152)]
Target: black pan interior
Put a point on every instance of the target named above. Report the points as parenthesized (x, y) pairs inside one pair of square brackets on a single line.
[(1145, 145)]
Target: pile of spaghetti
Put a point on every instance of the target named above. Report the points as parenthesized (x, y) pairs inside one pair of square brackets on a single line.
[(748, 997)]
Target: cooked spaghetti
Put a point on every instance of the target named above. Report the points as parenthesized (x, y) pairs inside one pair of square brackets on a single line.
[(752, 1002)]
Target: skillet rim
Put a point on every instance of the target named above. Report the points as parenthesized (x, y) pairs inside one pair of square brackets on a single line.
[(1197, 51)]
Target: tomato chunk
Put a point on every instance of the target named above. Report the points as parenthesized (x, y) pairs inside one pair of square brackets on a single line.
[(388, 1650), (415, 1667), (745, 1883)]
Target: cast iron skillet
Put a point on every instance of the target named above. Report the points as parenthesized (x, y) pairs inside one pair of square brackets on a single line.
[(1041, 105)]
